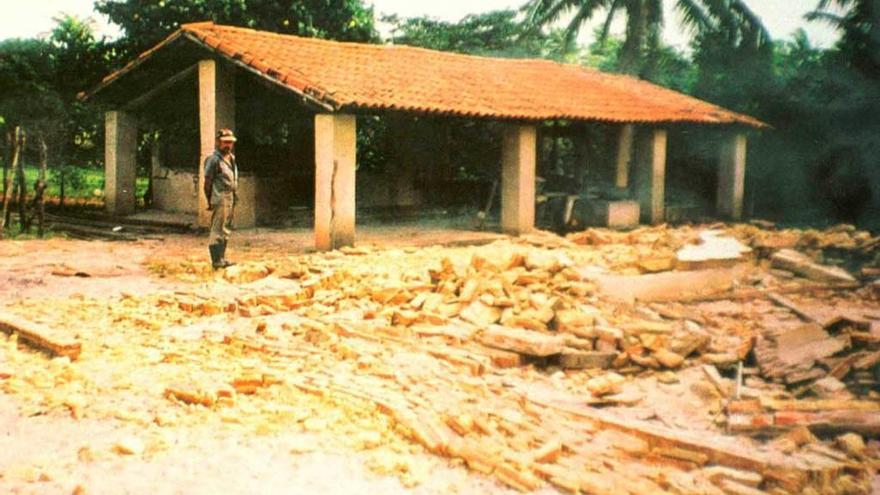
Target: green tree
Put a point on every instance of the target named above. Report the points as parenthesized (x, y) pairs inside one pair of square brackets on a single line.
[(29, 104), (730, 20), (145, 22), (80, 61), (671, 67), (859, 24), (39, 80), (496, 33)]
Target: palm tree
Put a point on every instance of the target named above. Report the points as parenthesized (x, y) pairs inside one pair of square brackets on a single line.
[(732, 20), (859, 21)]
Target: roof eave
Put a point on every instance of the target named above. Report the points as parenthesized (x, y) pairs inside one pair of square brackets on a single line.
[(323, 102), (137, 62)]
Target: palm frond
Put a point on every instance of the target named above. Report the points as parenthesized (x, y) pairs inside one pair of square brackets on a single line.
[(571, 31), (694, 16), (752, 23), (606, 26), (823, 16)]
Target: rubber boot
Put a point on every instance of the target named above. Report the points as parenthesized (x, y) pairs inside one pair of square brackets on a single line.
[(223, 262), (216, 255)]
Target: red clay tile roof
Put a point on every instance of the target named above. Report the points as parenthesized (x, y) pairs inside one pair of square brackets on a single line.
[(343, 76)]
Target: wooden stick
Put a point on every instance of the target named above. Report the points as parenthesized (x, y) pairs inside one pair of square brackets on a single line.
[(15, 141)]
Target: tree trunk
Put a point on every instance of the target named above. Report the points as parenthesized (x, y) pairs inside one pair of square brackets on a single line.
[(40, 189), (61, 192), (22, 187), (10, 145), (17, 144)]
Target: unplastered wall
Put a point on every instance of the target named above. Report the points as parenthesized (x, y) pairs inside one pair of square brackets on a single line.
[(175, 190)]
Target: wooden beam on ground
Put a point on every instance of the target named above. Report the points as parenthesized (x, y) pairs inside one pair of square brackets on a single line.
[(40, 336)]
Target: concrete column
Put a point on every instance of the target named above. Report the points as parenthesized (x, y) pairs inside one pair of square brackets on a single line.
[(335, 163), (732, 176), (624, 155), (216, 111), (518, 157), (650, 174), (120, 162)]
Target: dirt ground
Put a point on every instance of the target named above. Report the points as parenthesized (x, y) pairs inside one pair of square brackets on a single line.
[(44, 451), (329, 368)]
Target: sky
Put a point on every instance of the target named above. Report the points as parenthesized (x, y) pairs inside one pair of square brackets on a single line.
[(34, 17)]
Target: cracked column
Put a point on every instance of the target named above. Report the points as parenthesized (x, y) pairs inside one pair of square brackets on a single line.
[(731, 176), (650, 174), (335, 162), (120, 162), (518, 157), (216, 111)]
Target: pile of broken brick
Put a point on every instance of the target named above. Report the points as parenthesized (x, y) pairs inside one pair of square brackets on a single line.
[(503, 356)]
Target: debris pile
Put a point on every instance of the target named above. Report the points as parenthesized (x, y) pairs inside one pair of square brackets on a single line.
[(514, 358)]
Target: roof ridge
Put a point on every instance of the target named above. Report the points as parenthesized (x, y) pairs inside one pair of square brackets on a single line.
[(387, 46)]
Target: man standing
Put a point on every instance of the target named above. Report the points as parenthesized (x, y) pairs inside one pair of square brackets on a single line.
[(221, 184)]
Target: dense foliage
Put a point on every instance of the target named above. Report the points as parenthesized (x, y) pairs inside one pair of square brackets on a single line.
[(818, 163), (145, 22)]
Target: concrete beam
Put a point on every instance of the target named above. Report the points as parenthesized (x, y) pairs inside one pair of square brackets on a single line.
[(335, 163), (120, 162), (216, 111), (624, 155), (518, 157), (650, 174), (731, 176)]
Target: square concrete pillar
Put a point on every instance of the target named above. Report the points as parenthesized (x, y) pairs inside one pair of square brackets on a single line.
[(650, 174), (732, 176), (624, 155), (216, 111), (518, 157), (120, 162), (335, 163)]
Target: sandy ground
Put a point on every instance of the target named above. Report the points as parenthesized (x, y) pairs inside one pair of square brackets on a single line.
[(55, 454), (47, 452), (114, 268)]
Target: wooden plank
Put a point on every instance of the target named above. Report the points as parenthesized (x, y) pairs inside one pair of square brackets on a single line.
[(40, 336)]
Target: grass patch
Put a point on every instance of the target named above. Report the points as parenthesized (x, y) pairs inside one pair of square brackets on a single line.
[(89, 181)]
